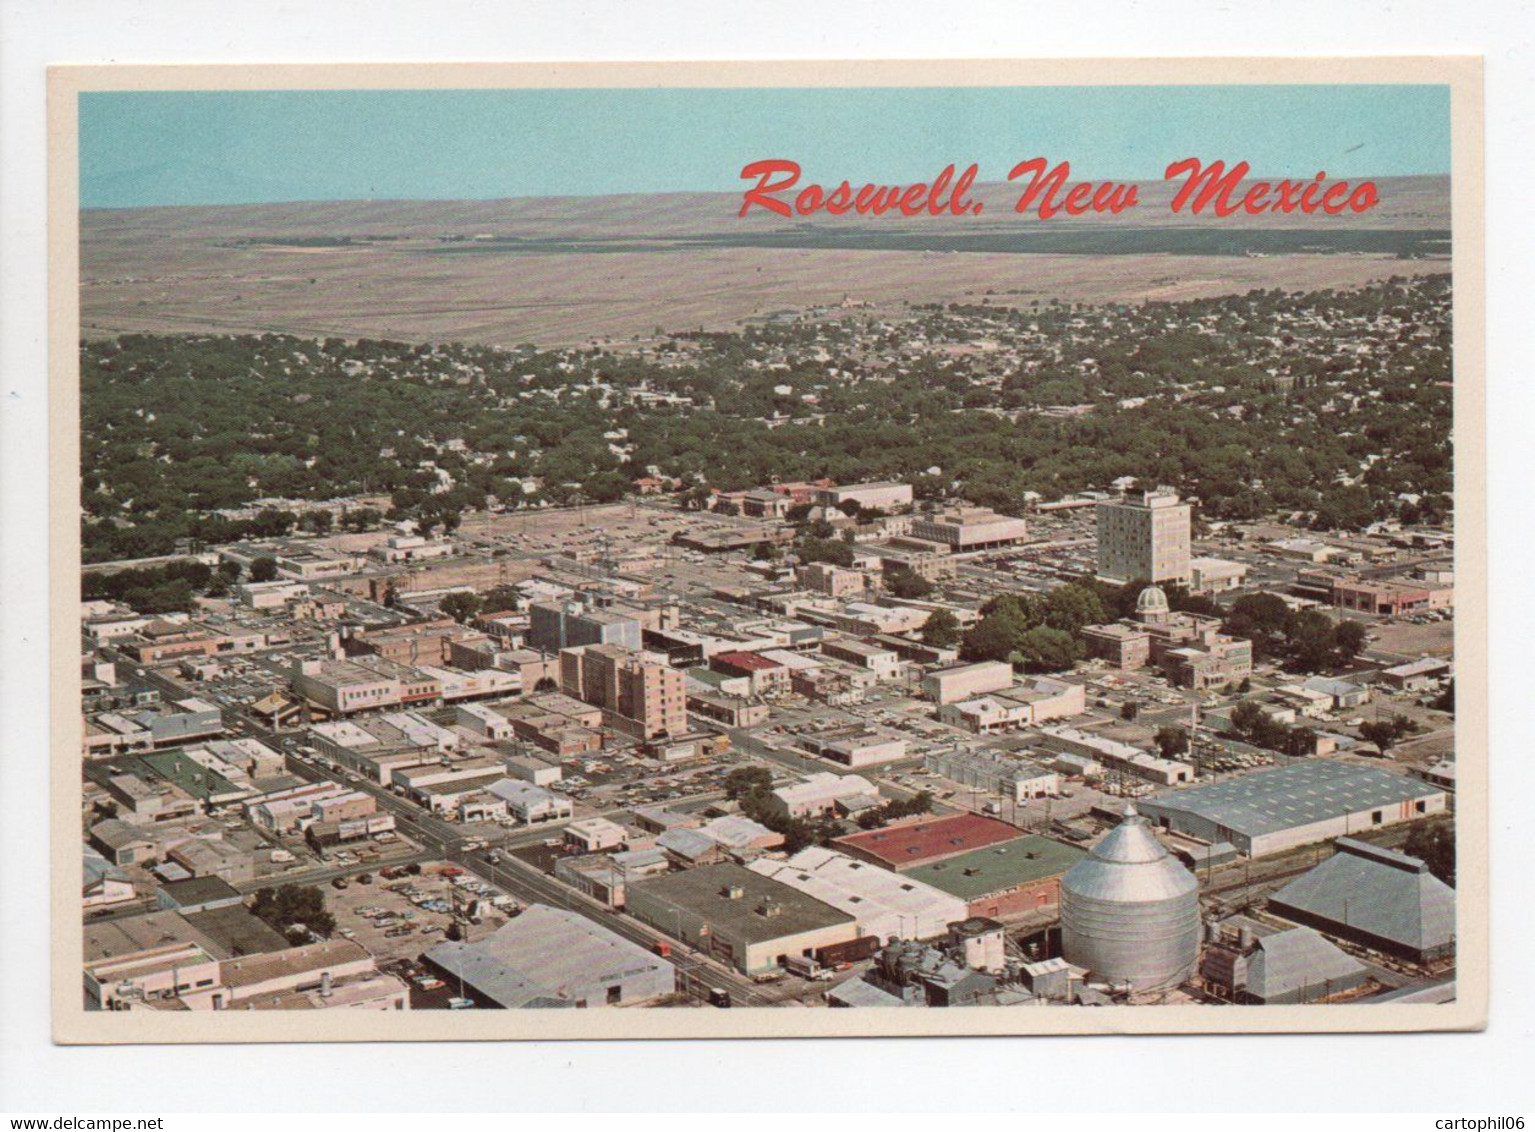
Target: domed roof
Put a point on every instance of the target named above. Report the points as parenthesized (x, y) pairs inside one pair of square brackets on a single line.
[(1129, 866), (1151, 600)]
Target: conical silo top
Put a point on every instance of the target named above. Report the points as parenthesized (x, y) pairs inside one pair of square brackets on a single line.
[(1131, 842)]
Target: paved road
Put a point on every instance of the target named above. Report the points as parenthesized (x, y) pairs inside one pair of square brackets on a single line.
[(518, 878)]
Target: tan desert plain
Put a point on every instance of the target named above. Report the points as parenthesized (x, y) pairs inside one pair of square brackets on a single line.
[(560, 271)]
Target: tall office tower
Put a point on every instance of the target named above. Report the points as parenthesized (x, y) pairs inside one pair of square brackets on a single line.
[(1145, 535)]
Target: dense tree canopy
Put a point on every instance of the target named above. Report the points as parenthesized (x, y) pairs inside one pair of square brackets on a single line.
[(1331, 405)]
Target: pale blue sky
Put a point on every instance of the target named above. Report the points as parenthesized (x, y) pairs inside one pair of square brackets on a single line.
[(239, 147)]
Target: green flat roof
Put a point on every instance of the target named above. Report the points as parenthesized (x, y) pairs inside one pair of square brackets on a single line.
[(997, 867), (701, 893), (196, 779)]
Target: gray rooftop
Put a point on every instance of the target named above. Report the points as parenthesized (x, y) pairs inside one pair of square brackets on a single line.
[(1377, 891), (1300, 963), (1285, 797), (703, 892), (548, 957)]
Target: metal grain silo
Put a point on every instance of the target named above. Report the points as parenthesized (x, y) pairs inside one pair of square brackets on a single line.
[(1130, 910)]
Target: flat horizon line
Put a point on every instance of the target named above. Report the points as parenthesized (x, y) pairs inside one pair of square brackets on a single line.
[(663, 192)]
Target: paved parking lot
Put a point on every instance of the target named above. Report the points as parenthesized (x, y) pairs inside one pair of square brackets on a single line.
[(402, 917)]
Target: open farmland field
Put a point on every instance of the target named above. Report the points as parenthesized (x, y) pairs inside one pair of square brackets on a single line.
[(556, 272)]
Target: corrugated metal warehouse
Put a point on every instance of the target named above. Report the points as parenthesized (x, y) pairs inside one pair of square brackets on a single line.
[(1270, 811)]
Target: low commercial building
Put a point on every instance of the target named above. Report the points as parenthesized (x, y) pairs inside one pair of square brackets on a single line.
[(311, 976), (197, 895), (551, 957), (530, 804), (833, 581), (732, 711), (209, 857), (605, 876), (284, 811), (1116, 758), (834, 683), (418, 645), (411, 548), (142, 803), (986, 715), (855, 745), (967, 681), (883, 903), (964, 529), (766, 677), (882, 496), (1417, 676), (537, 771), (907, 844), (885, 664), (102, 883), (995, 775), (1274, 809), (149, 978), (594, 835), (123, 843), (820, 794), (201, 774), (324, 835), (376, 746), (1039, 700), (1007, 881), (1215, 575), (1341, 695), (1383, 598), (745, 920), (341, 687)]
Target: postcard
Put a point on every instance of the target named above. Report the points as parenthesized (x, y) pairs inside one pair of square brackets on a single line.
[(767, 549)]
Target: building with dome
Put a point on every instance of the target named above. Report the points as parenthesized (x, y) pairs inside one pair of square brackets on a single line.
[(1151, 606), (1189, 648), (1130, 910)]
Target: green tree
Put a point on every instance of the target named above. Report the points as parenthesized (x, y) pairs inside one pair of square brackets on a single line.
[(1262, 618), (1382, 733), (1348, 638), (264, 569), (1172, 741), (941, 629), (501, 599), (460, 605), (994, 637), (747, 780), (1311, 641), (1072, 606), (831, 550), (1043, 649), (291, 904), (904, 582), (1433, 843)]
